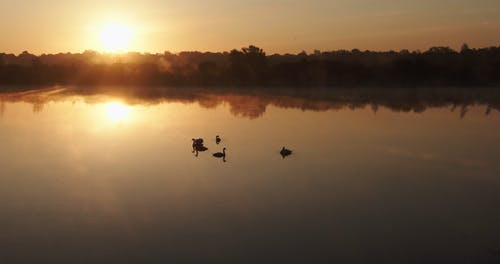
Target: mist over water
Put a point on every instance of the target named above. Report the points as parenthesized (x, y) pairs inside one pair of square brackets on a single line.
[(88, 176)]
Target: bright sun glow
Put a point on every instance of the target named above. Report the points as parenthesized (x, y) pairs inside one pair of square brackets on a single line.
[(117, 111), (116, 37)]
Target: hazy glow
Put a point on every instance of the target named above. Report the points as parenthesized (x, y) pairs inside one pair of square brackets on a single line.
[(117, 111), (277, 26), (116, 37)]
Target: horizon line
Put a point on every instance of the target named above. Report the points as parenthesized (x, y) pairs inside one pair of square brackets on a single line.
[(228, 51)]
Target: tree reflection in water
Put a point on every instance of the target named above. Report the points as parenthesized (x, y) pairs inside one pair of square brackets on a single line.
[(252, 103)]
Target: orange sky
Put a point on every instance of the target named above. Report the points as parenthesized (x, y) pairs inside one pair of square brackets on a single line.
[(278, 26)]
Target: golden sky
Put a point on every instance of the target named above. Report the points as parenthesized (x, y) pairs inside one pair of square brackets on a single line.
[(277, 26)]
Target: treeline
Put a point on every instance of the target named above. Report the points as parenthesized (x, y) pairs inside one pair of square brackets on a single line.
[(251, 66)]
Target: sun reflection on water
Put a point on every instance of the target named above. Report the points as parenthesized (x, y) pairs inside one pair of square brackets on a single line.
[(117, 111)]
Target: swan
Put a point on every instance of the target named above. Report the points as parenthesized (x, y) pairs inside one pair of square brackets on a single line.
[(285, 152), (198, 141), (200, 148), (198, 145), (217, 139), (220, 154)]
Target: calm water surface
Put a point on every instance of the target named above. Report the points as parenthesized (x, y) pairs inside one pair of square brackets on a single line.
[(107, 179)]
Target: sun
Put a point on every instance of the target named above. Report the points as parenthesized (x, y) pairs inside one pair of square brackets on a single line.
[(116, 37)]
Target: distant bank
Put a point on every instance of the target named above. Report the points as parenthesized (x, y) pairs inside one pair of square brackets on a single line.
[(251, 66)]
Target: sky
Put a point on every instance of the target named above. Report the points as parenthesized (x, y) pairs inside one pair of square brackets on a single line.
[(277, 26)]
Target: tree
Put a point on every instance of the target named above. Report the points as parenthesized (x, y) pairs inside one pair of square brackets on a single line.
[(254, 50), (440, 50), (248, 65), (465, 49)]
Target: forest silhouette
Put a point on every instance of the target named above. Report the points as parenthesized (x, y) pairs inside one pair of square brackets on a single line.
[(251, 67)]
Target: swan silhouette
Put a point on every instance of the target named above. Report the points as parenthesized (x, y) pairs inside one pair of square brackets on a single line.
[(201, 148), (217, 140), (198, 141), (198, 144), (285, 152), (220, 154)]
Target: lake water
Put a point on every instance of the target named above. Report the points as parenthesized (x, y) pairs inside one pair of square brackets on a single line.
[(111, 178)]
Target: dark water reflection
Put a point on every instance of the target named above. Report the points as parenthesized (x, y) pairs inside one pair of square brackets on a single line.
[(252, 103), (386, 176)]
